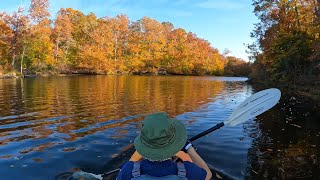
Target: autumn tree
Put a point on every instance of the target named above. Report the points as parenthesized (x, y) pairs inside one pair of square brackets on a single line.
[(5, 36), (135, 53), (287, 38), (120, 31), (106, 47), (75, 42), (147, 42), (154, 41), (14, 37), (41, 52), (72, 44), (188, 54), (63, 39), (176, 52), (236, 67)]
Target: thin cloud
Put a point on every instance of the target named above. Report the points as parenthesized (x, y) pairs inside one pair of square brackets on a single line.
[(180, 2), (223, 5), (136, 10), (181, 14), (107, 8), (140, 9), (12, 7)]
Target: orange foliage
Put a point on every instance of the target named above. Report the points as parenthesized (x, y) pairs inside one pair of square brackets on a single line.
[(110, 44)]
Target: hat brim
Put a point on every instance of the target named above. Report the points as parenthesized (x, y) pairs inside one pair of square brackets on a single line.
[(165, 152)]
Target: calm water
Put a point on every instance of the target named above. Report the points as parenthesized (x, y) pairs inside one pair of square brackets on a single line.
[(53, 125)]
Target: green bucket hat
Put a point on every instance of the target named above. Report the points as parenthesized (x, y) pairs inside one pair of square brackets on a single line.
[(161, 137)]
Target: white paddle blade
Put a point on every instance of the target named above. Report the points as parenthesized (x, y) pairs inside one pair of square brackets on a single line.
[(255, 105)]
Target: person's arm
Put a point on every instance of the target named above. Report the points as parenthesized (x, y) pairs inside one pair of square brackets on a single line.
[(183, 156), (199, 161), (135, 157)]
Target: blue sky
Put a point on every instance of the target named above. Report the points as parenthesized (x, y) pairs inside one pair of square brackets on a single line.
[(226, 24)]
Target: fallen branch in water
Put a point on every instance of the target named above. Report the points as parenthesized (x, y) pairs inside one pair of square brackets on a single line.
[(296, 125)]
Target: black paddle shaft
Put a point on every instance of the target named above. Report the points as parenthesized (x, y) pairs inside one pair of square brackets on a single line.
[(110, 172), (218, 126)]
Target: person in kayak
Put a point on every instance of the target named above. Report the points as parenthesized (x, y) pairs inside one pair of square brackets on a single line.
[(161, 139)]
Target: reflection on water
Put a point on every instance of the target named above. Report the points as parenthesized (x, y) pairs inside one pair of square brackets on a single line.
[(286, 142), (72, 107), (53, 125)]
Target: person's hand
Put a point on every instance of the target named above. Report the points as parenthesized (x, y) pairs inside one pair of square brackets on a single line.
[(183, 156), (135, 157)]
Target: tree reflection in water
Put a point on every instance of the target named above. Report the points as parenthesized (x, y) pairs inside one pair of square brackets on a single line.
[(286, 142), (53, 125)]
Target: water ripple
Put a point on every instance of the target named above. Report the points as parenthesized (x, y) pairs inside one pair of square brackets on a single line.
[(69, 122)]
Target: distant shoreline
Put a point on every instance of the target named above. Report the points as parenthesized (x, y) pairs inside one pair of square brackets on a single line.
[(12, 75)]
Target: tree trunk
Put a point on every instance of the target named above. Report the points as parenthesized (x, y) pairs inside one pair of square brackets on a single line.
[(115, 51), (115, 48), (13, 60), (21, 64), (57, 51), (64, 58)]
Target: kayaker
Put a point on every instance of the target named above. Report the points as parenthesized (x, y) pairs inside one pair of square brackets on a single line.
[(161, 139)]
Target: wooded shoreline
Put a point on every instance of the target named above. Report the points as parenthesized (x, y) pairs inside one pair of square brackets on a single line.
[(33, 42), (286, 53)]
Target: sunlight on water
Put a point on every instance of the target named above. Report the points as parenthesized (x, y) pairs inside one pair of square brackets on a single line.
[(53, 125)]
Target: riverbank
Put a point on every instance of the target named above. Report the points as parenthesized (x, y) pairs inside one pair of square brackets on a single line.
[(14, 74), (28, 74), (8, 75), (309, 88)]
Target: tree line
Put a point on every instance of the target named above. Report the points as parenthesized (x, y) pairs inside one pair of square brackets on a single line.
[(74, 42), (287, 47)]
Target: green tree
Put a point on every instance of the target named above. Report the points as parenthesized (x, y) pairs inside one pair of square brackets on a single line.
[(289, 55), (287, 38)]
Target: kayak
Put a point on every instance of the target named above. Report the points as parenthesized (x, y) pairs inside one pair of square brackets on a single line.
[(123, 157)]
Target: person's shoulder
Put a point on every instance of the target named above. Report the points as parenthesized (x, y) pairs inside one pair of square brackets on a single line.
[(194, 171), (126, 171)]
